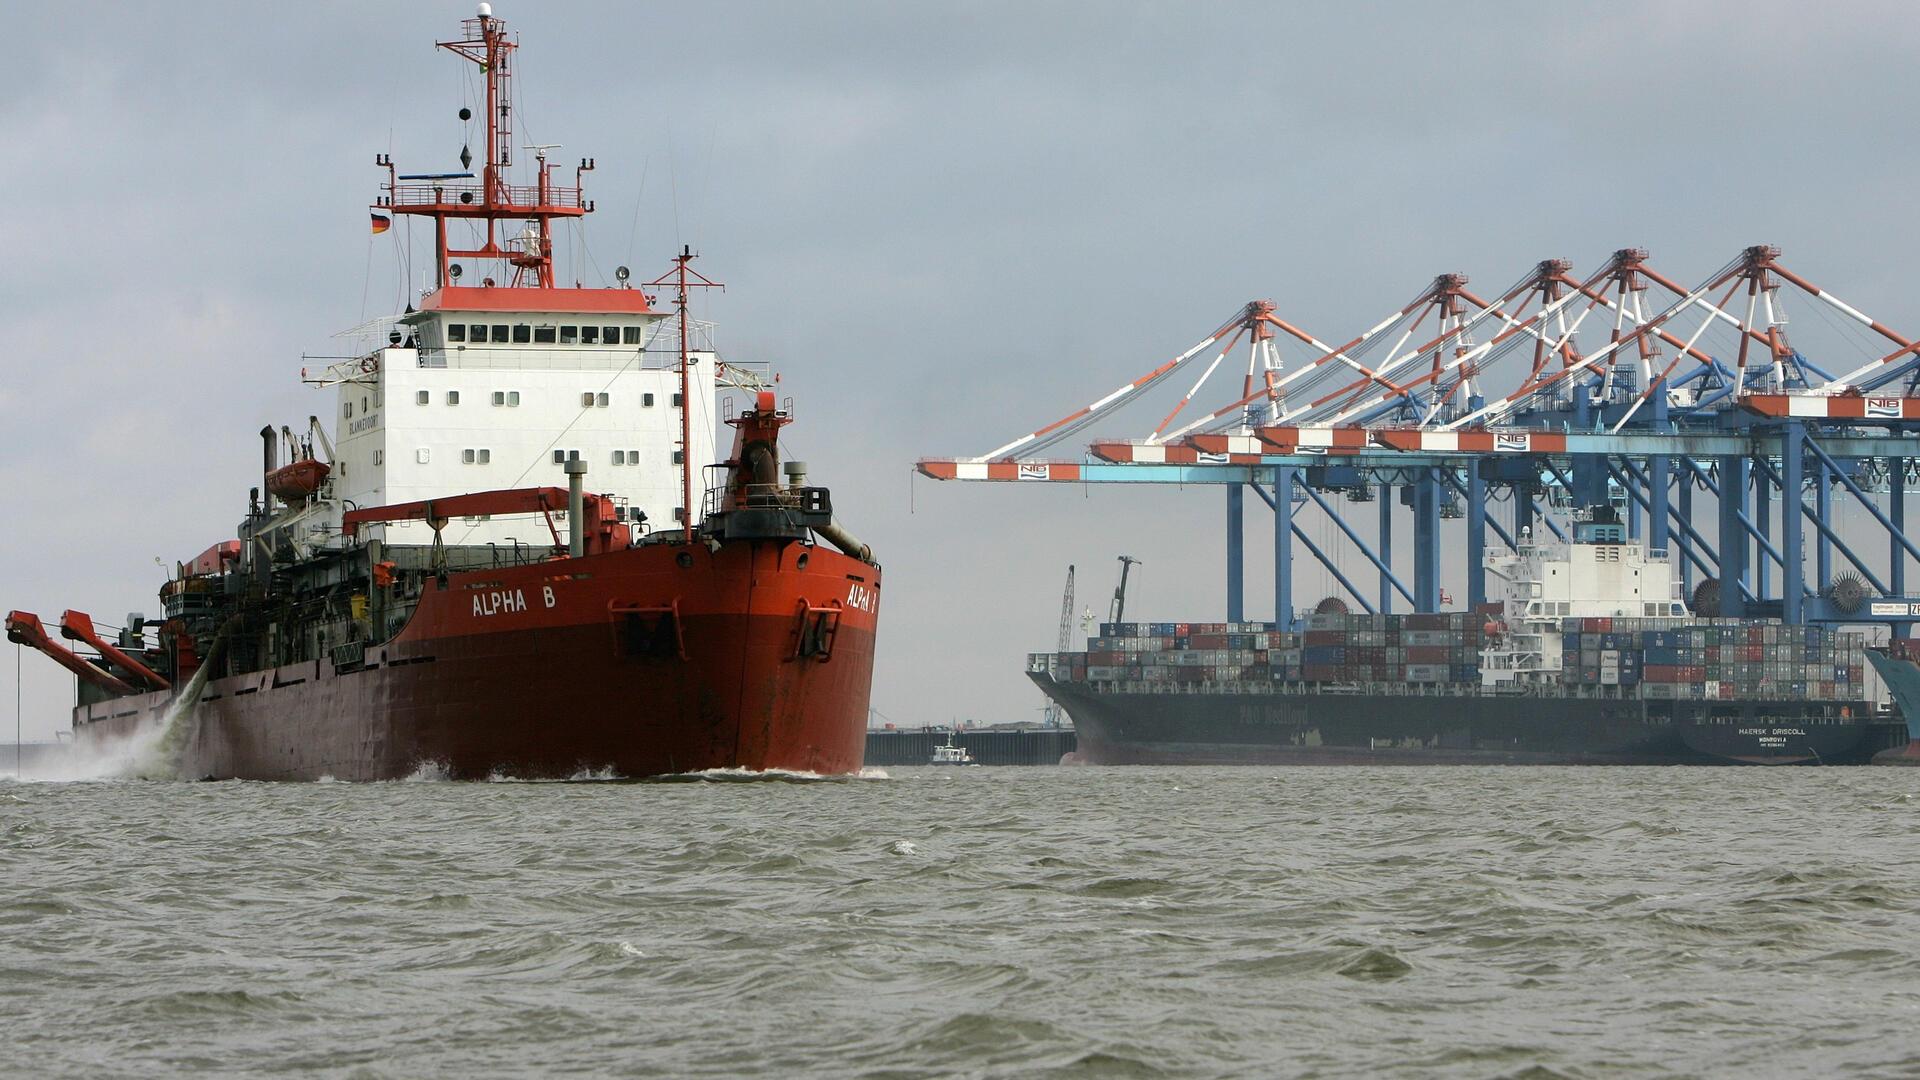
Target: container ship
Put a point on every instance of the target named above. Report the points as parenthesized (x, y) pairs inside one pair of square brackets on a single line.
[(1898, 663), (397, 596), (1591, 656)]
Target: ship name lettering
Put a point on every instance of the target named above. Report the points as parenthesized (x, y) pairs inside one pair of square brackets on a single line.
[(365, 423), (547, 590), (860, 597), (493, 603)]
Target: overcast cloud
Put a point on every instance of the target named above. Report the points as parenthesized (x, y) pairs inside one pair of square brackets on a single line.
[(945, 224)]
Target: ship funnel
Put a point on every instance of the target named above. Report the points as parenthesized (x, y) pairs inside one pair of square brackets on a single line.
[(576, 469)]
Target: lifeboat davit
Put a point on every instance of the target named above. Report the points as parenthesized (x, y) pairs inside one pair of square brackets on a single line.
[(299, 480)]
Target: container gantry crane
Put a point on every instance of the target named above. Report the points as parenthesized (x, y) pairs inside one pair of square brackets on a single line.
[(1622, 386)]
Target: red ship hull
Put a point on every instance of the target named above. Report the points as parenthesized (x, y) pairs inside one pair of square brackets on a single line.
[(645, 661)]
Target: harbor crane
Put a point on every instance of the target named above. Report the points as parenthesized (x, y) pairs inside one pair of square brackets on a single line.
[(1729, 439)]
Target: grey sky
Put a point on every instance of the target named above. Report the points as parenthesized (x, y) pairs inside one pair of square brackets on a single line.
[(946, 225)]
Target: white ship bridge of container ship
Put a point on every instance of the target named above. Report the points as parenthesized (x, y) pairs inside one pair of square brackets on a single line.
[(1602, 574)]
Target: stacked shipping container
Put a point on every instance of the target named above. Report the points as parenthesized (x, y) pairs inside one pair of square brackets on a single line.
[(1715, 659), (1442, 648), (1706, 659)]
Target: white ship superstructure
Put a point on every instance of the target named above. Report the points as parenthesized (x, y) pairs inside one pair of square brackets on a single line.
[(473, 398), (1602, 574)]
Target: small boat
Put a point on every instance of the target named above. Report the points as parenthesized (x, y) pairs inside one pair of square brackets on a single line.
[(948, 753)]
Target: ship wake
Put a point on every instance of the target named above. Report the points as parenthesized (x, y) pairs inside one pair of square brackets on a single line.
[(152, 751)]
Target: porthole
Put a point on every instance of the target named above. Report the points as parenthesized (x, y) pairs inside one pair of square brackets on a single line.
[(685, 559)]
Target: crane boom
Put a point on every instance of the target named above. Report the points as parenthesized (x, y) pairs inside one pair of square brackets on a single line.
[(1052, 716), (1119, 608)]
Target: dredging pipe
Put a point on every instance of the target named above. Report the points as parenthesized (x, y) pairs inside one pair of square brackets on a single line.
[(831, 532)]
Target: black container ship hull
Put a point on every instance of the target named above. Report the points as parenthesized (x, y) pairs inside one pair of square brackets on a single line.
[(1117, 727)]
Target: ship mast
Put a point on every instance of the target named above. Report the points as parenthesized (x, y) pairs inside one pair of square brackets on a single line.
[(443, 196), (678, 278)]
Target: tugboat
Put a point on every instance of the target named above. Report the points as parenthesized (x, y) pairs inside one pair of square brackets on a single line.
[(408, 603), (950, 753)]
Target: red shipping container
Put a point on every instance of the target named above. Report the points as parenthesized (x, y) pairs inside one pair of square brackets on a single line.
[(1208, 641), (1427, 654), (1325, 637)]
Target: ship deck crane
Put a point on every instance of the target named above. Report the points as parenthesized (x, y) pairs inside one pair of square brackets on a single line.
[(1119, 608), (1052, 715)]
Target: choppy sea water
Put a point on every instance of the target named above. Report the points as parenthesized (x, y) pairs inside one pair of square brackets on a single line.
[(980, 922)]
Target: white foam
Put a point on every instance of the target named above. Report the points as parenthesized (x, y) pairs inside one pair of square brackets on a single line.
[(903, 847), (428, 771)]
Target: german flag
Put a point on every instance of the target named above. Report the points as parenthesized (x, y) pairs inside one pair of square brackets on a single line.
[(381, 223)]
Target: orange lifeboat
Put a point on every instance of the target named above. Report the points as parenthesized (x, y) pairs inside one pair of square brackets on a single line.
[(298, 481)]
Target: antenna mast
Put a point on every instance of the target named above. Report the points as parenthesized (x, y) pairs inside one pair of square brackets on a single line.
[(678, 278), (444, 196)]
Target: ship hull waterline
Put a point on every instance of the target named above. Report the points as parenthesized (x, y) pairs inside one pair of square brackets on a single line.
[(1115, 728), (654, 660)]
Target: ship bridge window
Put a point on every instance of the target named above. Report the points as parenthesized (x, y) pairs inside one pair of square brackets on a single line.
[(679, 456), (569, 335), (456, 332), (646, 401), (500, 333), (543, 335), (589, 335), (522, 333), (453, 397), (349, 409), (630, 335), (421, 397), (476, 332), (619, 457), (561, 457)]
